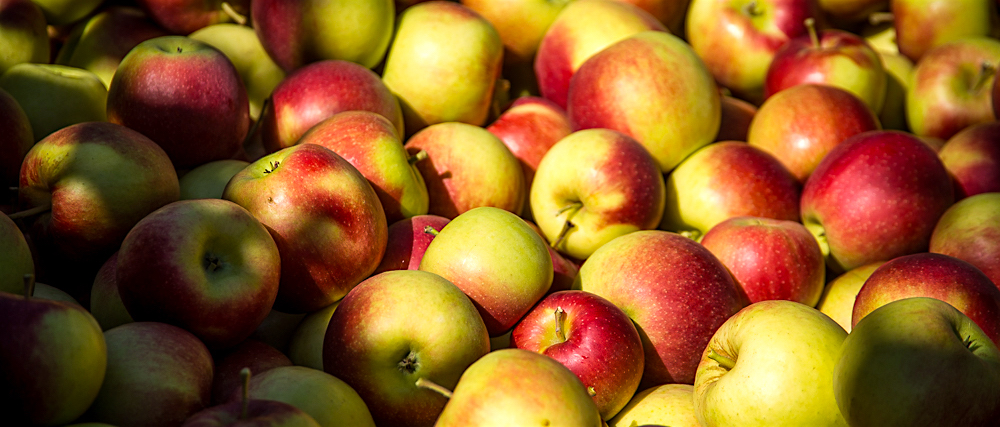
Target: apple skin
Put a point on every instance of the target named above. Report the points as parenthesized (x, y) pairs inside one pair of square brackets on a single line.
[(305, 348), (259, 413), (55, 96), (970, 230), (950, 88), (736, 115), (25, 38), (371, 144), (52, 360), (770, 364), (838, 58), (105, 303), (972, 156), (408, 241), (922, 25), (529, 127), (875, 196), (841, 292), (252, 354), (166, 86), (399, 326), (899, 71), (187, 16), (676, 292), (298, 33), (443, 65), (63, 12), (16, 257), (601, 182), (801, 124), (208, 180), (770, 259), (664, 405), (467, 167), (521, 24), (944, 277), (667, 101), (16, 140), (590, 336), (737, 40), (724, 180), (347, 231), (582, 29), (894, 367), (515, 387), (157, 375), (845, 12), (319, 90), (326, 398)]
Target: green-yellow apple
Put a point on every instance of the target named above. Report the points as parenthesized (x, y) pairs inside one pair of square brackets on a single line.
[(55, 96), (738, 39), (277, 328), (918, 361), (898, 73), (318, 91), (801, 124), (922, 25), (770, 364), (166, 87), (251, 413), (840, 293), (408, 240), (15, 257), (186, 16), (496, 259), (972, 156), (675, 291), (521, 24), (306, 345), (970, 230), (443, 65), (667, 100), (24, 37), (593, 186), (667, 405), (326, 398), (875, 196), (52, 359), (736, 115), (467, 167), (157, 375), (370, 142), (950, 87), (15, 142), (583, 28), (301, 32), (515, 387), (105, 303), (727, 179), (395, 328), (250, 354), (590, 336), (205, 265), (62, 12), (208, 180), (257, 70), (324, 216)]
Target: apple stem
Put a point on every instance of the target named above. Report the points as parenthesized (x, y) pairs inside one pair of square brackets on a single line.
[(723, 361), (431, 385), (430, 230), (233, 14), (810, 24), (501, 96), (572, 208), (42, 208), (560, 315), (691, 234), (421, 155), (986, 72), (879, 18), (29, 286), (751, 9), (12, 188), (256, 123), (245, 393)]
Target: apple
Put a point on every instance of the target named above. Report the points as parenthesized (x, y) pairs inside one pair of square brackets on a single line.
[(16, 257), (668, 101), (187, 16), (922, 25), (55, 96), (319, 90), (105, 302), (737, 40), (593, 186), (395, 328), (408, 240), (771, 364), (899, 72), (972, 156), (326, 398), (521, 24), (950, 87), (467, 167), (251, 412), (52, 359), (848, 12), (840, 293), (770, 259), (208, 180), (590, 336), (157, 375), (165, 88), (443, 65), (666, 405), (306, 345), (564, 269), (250, 354), (670, 12), (529, 127), (724, 180), (736, 115), (63, 12), (25, 38), (934, 275), (969, 231), (519, 387), (298, 33), (346, 233), (371, 144), (874, 197), (15, 142), (277, 328), (582, 29), (918, 361), (674, 289), (801, 124)]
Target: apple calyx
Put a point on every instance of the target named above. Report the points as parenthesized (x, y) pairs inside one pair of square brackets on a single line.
[(431, 385), (810, 24), (752, 9), (970, 344), (725, 362), (430, 230), (233, 14), (245, 392), (879, 18), (420, 155), (212, 263), (273, 165), (29, 286), (30, 212), (409, 364), (570, 210), (560, 315)]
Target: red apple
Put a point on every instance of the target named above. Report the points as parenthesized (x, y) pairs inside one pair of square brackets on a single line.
[(252, 354), (972, 156), (736, 117), (185, 16), (670, 12), (408, 240), (520, 23), (970, 230), (251, 413), (529, 127)]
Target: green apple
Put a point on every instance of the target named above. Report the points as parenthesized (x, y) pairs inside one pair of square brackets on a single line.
[(53, 293), (105, 303), (770, 364), (326, 398), (667, 404), (62, 12), (15, 257), (306, 345), (15, 142), (898, 72), (968, 231), (443, 65), (55, 96), (208, 180), (839, 294), (918, 361), (521, 24), (23, 35)]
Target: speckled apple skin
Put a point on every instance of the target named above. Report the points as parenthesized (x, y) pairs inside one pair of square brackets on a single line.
[(970, 230), (972, 157)]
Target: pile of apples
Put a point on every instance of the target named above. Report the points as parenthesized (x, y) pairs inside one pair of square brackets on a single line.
[(500, 213)]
